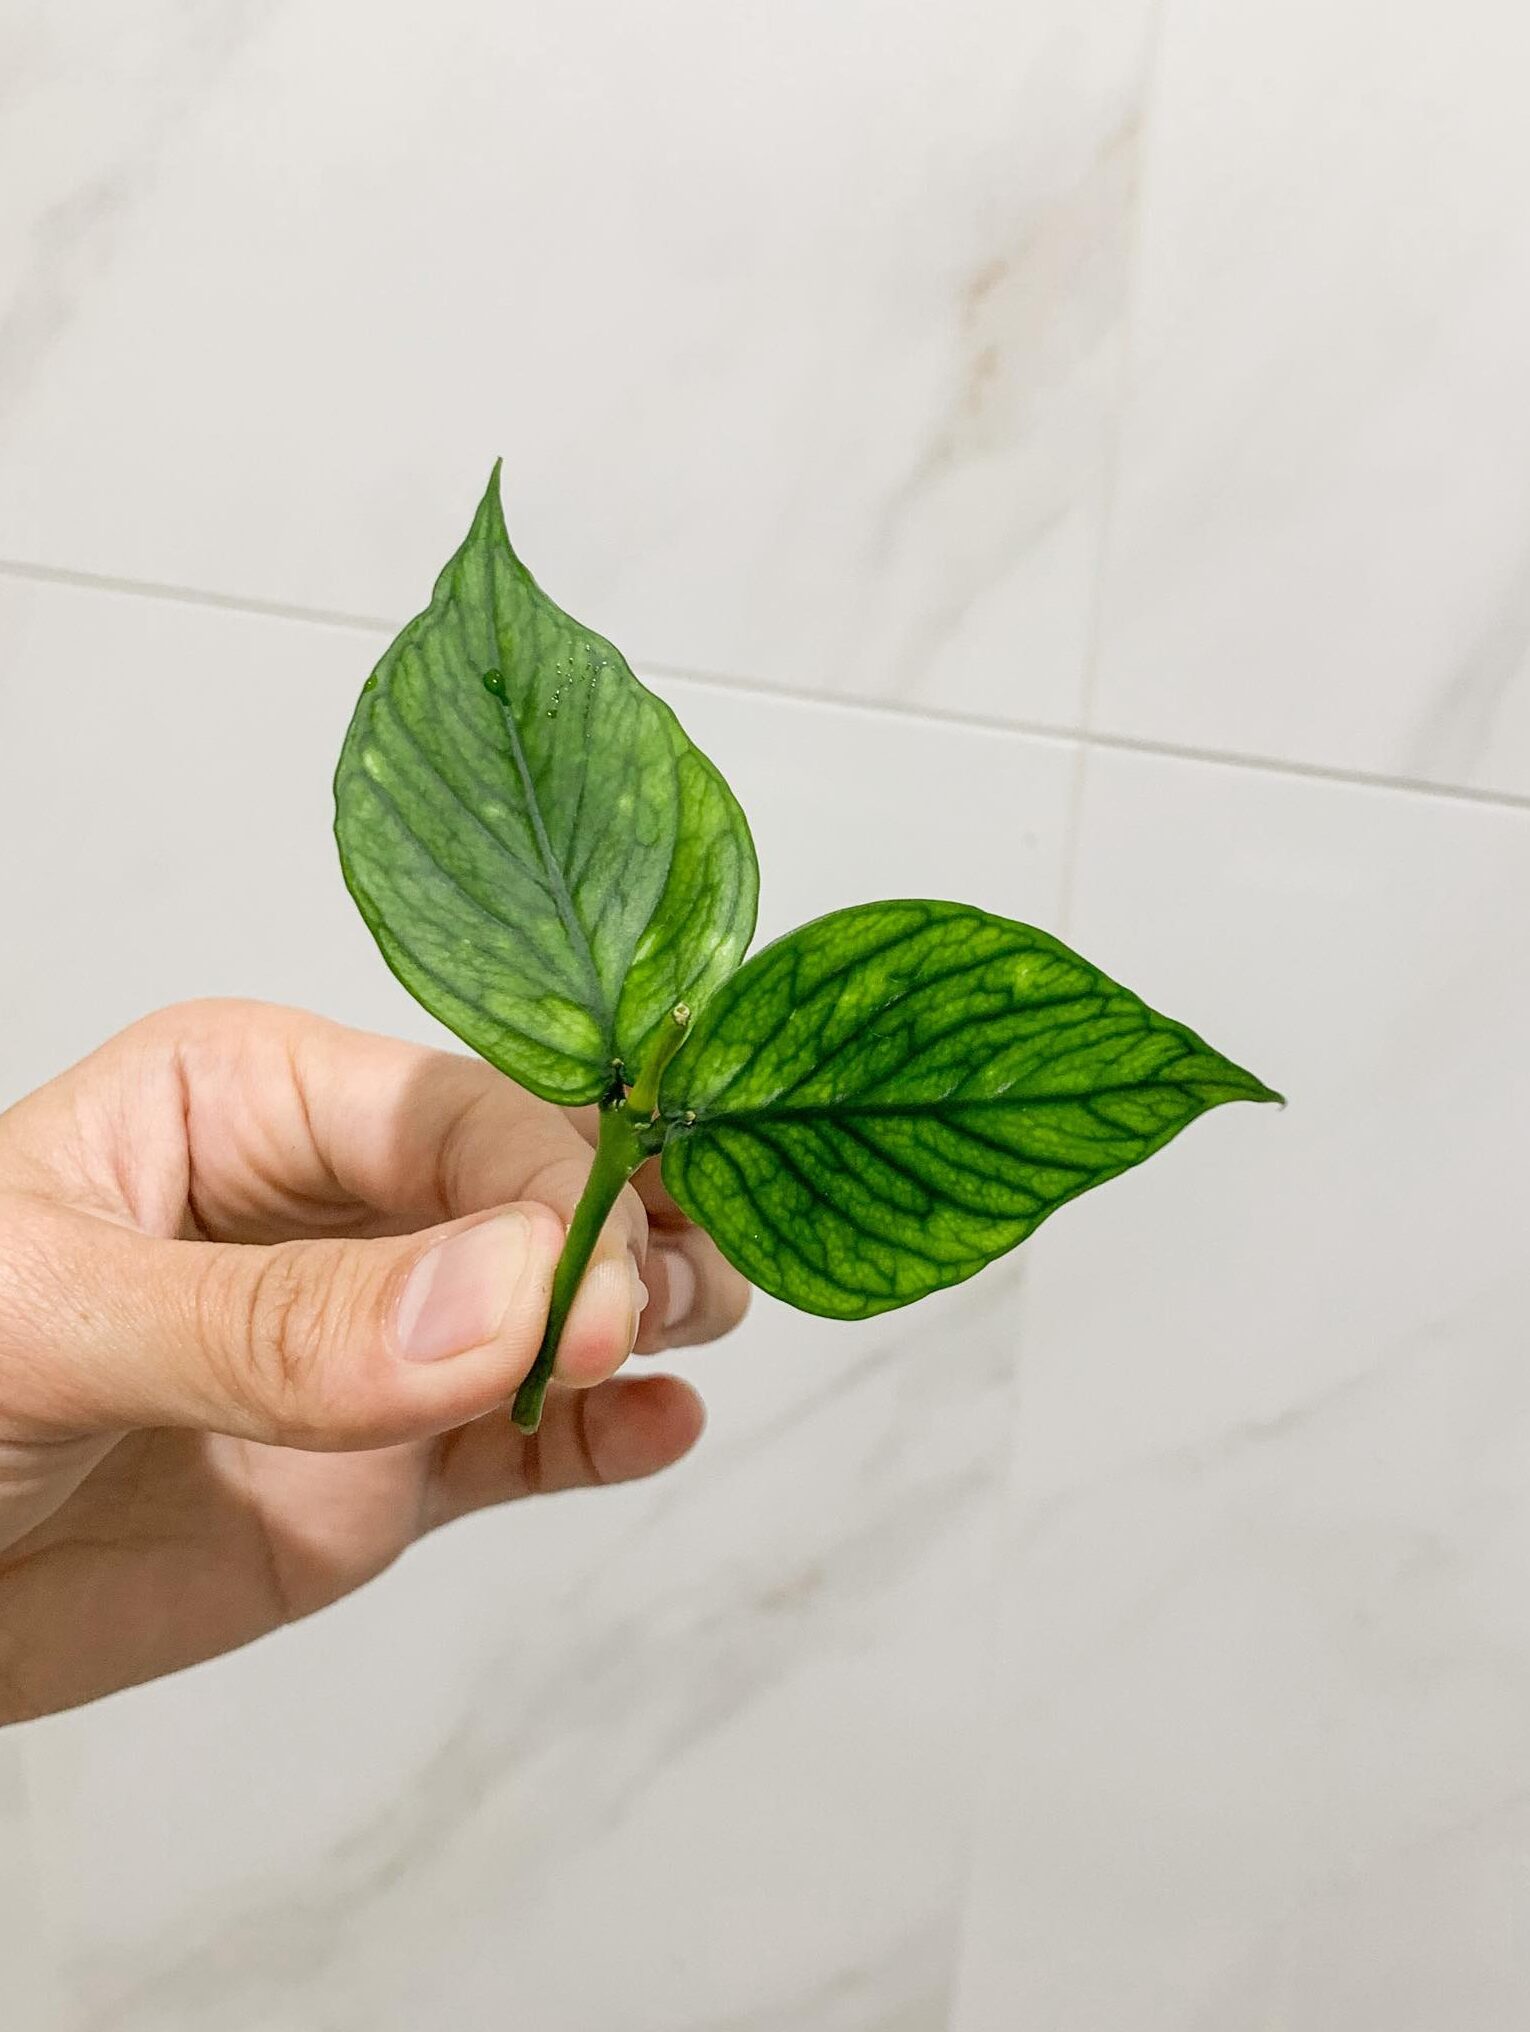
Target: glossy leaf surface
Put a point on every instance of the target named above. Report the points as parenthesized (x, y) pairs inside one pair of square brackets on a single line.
[(883, 1101), (546, 861)]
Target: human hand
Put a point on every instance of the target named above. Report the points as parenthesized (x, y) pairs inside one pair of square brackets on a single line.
[(258, 1332)]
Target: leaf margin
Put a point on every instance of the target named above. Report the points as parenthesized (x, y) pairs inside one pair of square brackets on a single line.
[(444, 1000), (684, 1117)]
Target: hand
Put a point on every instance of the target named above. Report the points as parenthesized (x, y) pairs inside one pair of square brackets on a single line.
[(258, 1329)]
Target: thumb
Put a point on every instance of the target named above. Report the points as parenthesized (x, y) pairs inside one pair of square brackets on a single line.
[(321, 1344)]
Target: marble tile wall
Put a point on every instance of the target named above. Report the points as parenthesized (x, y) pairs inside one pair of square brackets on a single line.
[(1264, 1644), (1067, 458), (1320, 543), (799, 326)]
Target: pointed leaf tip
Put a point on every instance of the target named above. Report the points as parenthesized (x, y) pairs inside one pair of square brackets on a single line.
[(474, 803), (887, 1099)]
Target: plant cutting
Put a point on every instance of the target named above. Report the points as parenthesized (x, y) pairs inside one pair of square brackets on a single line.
[(866, 1111)]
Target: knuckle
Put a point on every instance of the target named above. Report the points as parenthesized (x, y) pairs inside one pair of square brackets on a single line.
[(557, 1175), (740, 1309), (40, 1304), (289, 1307), (633, 1217), (558, 1180), (733, 1296), (179, 1022), (483, 1134), (457, 1157)]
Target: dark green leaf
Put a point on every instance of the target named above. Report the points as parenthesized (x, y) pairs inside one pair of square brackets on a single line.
[(545, 860), (882, 1102)]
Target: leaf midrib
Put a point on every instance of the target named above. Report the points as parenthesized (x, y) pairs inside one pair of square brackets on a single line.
[(819, 1111), (557, 882)]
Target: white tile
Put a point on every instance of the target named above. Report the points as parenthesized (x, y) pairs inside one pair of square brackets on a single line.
[(693, 1755), (165, 775), (165, 789), (1321, 545), (797, 325), (28, 1941), (701, 1755), (1259, 1742)]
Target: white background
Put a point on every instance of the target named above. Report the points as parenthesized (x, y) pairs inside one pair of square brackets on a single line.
[(1073, 459)]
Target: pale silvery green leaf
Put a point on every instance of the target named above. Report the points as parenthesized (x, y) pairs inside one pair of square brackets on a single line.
[(886, 1099), (545, 860), (870, 1109)]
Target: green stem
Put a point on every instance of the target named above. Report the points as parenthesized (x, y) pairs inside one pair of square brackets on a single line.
[(617, 1156), (628, 1137), (644, 1098)]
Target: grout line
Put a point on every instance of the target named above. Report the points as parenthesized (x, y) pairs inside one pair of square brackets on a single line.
[(1308, 772), (191, 596), (1075, 737), (1027, 729), (882, 709)]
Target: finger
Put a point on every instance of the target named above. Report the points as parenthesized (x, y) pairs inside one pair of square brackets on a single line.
[(339, 1118), (625, 1430), (323, 1344), (603, 1321), (480, 1141), (659, 1203), (433, 1135), (293, 1124), (695, 1294)]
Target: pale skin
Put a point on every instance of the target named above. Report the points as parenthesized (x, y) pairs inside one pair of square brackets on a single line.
[(241, 1371)]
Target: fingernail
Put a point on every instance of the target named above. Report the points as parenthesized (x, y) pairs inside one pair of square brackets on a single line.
[(680, 1288), (639, 1300), (458, 1294)]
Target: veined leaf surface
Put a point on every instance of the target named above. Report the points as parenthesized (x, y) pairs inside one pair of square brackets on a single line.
[(886, 1099), (546, 861)]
